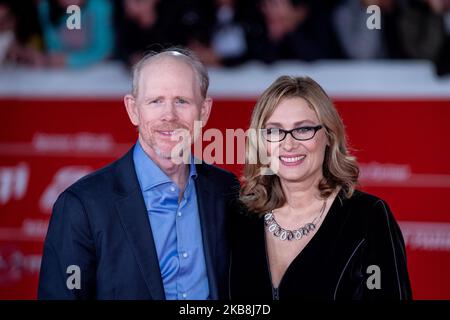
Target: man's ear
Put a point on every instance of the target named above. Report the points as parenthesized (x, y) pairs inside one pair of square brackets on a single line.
[(206, 110), (130, 105)]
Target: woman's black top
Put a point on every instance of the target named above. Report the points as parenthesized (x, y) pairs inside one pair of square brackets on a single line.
[(357, 253)]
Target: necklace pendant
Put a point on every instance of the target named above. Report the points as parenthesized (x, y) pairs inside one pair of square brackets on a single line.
[(272, 228), (290, 235), (298, 234), (272, 225)]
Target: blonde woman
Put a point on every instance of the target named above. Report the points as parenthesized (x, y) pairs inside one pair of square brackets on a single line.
[(306, 231)]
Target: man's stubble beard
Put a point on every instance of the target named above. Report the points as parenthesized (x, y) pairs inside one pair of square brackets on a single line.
[(152, 143)]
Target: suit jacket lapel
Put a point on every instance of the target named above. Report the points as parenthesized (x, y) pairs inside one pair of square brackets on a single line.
[(207, 204), (132, 212), (133, 216)]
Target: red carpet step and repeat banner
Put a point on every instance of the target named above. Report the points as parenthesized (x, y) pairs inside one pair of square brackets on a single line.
[(402, 145)]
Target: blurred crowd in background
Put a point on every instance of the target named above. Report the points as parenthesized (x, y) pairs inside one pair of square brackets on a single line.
[(223, 33)]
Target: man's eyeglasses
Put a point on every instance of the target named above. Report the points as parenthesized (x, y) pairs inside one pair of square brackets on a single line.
[(301, 133)]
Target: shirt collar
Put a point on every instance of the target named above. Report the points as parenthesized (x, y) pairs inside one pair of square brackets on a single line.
[(148, 172)]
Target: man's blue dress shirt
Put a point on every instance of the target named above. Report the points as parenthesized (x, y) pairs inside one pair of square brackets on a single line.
[(176, 229)]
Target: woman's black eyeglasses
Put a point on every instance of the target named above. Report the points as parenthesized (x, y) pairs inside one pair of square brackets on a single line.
[(301, 133)]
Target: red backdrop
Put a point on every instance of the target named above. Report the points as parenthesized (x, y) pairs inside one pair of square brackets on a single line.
[(45, 145)]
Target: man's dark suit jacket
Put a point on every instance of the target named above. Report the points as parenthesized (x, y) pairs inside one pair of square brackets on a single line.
[(100, 224)]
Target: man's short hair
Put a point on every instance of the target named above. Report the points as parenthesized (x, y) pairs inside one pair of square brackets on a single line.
[(176, 52)]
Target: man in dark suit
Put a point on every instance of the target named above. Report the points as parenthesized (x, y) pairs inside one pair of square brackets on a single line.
[(147, 226)]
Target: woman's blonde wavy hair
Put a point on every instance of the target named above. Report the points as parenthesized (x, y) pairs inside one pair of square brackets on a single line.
[(262, 193)]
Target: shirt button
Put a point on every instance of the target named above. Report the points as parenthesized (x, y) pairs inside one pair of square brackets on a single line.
[(172, 188), (184, 295), (179, 213), (185, 255)]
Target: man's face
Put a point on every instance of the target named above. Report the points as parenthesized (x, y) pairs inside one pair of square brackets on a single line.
[(168, 100)]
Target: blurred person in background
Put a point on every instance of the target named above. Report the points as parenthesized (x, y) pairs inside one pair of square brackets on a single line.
[(423, 33), (443, 61), (152, 25), (73, 48), (7, 29), (356, 39), (229, 40), (193, 21), (228, 24), (294, 29), (230, 32), (20, 37), (138, 24), (413, 29)]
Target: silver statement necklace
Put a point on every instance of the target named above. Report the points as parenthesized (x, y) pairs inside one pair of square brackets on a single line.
[(284, 234)]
